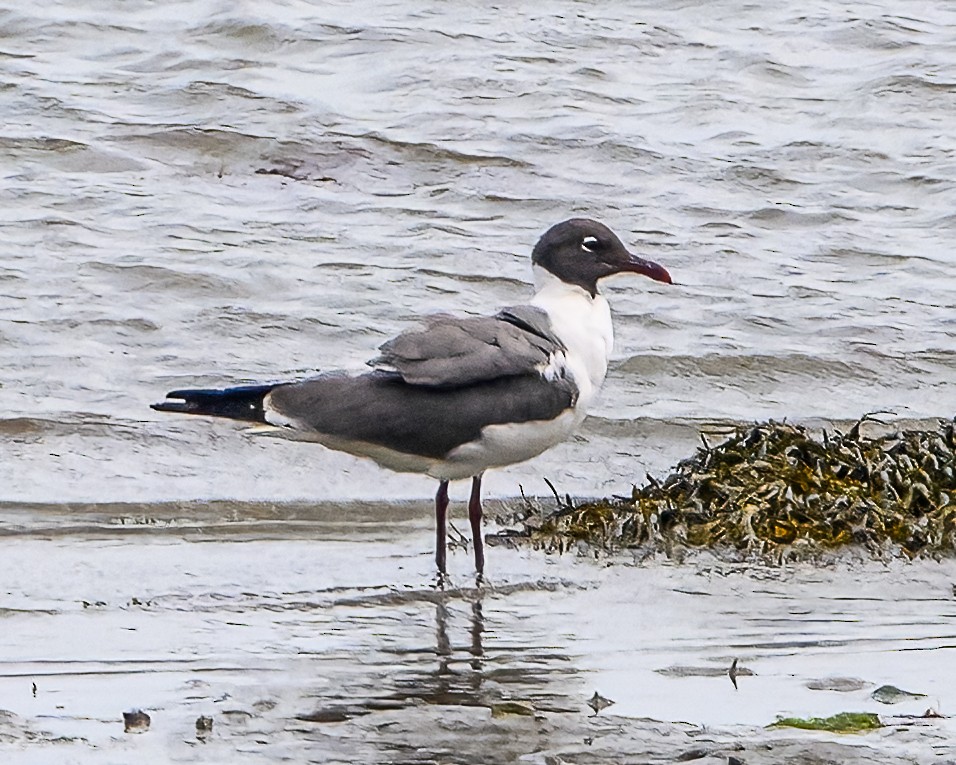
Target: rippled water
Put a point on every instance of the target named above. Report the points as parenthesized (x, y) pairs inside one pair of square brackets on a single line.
[(197, 193)]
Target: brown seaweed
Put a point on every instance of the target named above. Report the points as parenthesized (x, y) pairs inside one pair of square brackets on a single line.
[(773, 487)]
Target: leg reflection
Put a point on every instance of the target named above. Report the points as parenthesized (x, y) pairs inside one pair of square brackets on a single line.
[(477, 630), (453, 682)]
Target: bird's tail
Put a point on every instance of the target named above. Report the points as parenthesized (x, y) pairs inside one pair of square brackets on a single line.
[(242, 403)]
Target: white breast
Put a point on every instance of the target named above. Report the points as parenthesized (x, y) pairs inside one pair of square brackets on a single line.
[(583, 324)]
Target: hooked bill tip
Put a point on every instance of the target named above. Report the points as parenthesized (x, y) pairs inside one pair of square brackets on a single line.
[(649, 268), (661, 275)]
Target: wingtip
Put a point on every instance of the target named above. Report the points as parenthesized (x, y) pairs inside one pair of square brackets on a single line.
[(170, 405), (175, 401)]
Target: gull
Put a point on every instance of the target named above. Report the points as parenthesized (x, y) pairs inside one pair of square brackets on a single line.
[(460, 396)]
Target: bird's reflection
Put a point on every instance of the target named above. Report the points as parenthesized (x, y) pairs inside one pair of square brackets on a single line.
[(465, 672), (451, 663), (451, 685), (453, 655), (445, 653)]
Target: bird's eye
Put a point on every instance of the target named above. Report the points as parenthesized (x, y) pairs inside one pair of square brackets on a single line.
[(591, 244)]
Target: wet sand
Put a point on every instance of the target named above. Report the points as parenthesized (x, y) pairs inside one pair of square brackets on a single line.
[(318, 634)]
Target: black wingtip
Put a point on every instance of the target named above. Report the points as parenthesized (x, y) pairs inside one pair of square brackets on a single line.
[(240, 403), (170, 405), (184, 401)]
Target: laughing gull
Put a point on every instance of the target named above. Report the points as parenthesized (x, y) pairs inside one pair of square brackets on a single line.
[(461, 395)]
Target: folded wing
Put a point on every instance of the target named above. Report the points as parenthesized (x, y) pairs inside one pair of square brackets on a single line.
[(453, 352)]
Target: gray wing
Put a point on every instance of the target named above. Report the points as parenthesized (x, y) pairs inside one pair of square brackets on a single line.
[(381, 408), (452, 352)]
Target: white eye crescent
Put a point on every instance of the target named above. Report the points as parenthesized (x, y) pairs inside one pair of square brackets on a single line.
[(589, 243)]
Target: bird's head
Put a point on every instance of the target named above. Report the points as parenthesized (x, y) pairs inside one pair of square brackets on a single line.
[(582, 251)]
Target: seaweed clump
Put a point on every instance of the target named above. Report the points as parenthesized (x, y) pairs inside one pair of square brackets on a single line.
[(844, 722), (774, 487)]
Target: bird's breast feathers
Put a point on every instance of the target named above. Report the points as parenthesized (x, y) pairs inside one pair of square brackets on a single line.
[(583, 325)]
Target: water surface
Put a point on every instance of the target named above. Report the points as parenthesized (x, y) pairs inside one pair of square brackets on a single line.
[(201, 194)]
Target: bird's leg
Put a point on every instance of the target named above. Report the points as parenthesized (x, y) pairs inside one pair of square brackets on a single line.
[(474, 516), (441, 514)]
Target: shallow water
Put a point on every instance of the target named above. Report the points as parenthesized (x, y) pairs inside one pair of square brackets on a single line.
[(312, 640), (201, 194)]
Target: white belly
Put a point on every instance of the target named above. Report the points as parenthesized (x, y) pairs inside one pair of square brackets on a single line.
[(498, 446), (505, 444)]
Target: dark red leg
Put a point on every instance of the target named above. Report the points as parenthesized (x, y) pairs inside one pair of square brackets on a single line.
[(441, 515), (474, 516)]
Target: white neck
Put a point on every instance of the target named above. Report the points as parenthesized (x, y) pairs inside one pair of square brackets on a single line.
[(544, 279)]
